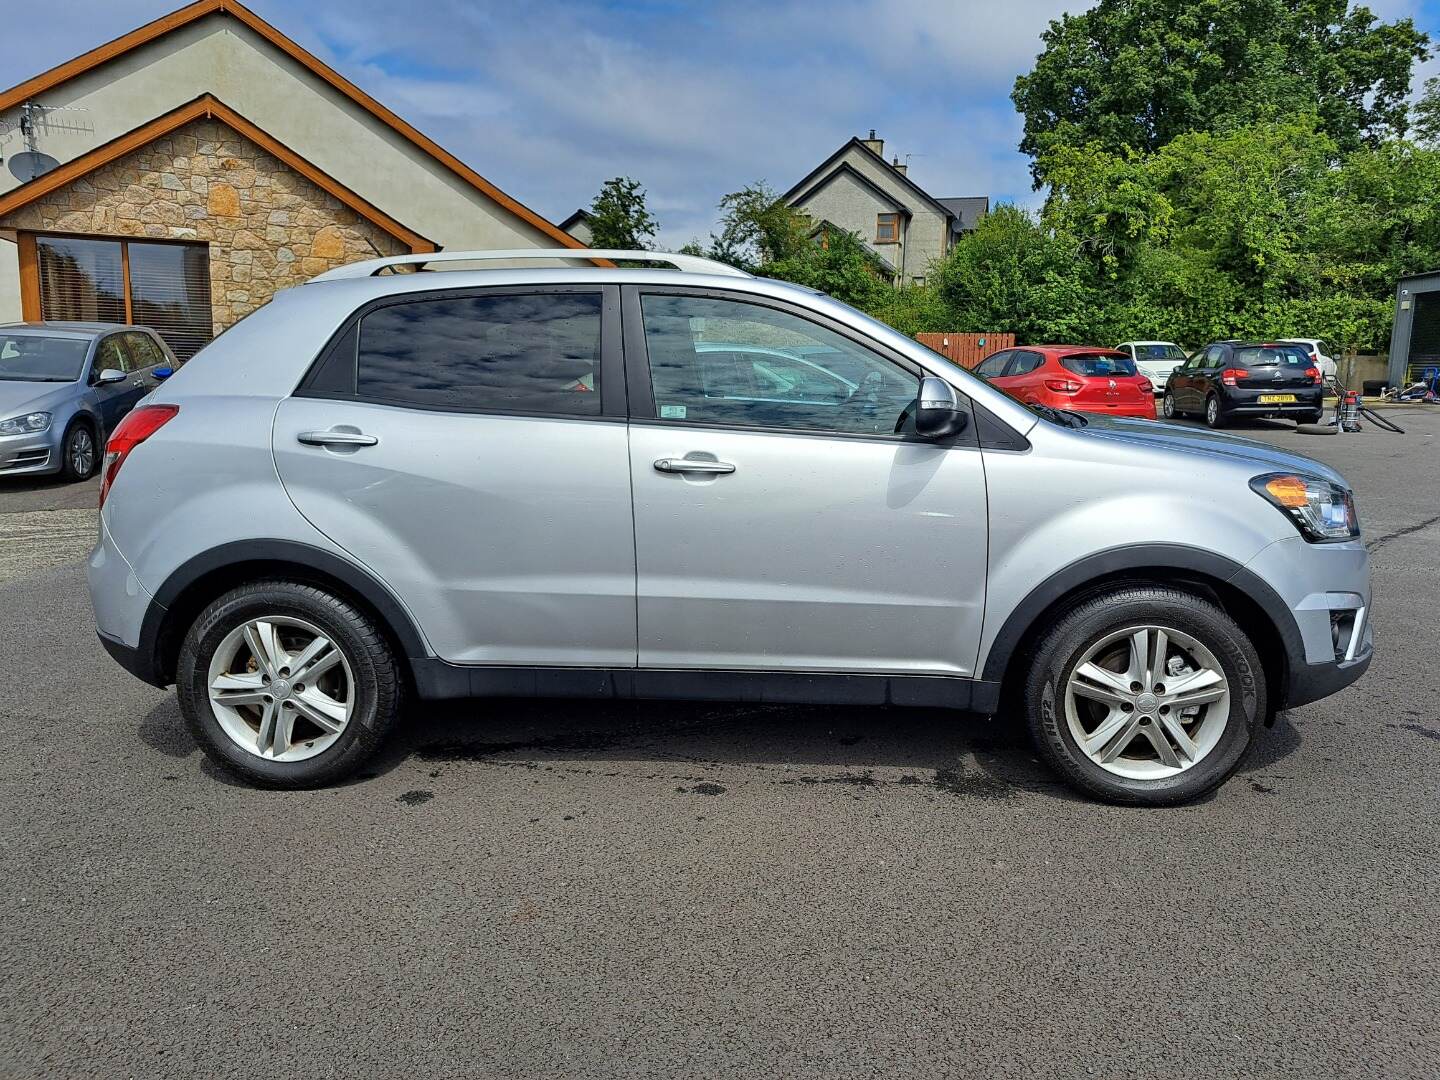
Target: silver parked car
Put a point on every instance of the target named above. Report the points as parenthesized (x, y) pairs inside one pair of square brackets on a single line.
[(64, 386), (644, 483)]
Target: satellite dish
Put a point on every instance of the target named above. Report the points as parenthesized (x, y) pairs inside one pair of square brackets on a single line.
[(28, 164)]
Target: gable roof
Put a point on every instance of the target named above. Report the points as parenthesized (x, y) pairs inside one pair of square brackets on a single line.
[(127, 43), (579, 215), (846, 169), (207, 106), (808, 183)]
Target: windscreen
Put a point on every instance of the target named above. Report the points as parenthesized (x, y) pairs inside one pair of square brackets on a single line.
[(1272, 356), (41, 358), (1098, 365), (1159, 352)]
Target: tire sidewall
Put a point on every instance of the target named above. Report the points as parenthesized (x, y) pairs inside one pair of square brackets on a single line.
[(1060, 654), (375, 689), (70, 433)]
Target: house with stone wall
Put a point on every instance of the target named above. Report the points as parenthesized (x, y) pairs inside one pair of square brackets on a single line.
[(183, 173)]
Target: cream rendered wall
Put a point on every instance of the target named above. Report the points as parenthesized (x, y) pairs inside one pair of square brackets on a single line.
[(853, 206), (221, 56)]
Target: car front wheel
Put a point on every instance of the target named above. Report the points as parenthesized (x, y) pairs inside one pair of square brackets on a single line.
[(287, 685), (1146, 696), (78, 455)]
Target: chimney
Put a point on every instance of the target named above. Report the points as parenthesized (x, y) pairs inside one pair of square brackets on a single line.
[(897, 166), (872, 143)]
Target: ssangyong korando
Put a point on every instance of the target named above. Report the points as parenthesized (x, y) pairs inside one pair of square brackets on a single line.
[(688, 482)]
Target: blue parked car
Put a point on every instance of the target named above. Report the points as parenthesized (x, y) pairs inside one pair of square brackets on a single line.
[(65, 385)]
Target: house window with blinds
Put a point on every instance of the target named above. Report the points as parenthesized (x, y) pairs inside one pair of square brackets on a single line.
[(165, 286)]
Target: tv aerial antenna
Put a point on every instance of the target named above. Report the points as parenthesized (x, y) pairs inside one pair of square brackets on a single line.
[(32, 162)]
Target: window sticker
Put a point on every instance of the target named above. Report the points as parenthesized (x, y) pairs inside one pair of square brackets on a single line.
[(672, 412)]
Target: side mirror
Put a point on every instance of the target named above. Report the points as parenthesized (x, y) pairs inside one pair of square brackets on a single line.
[(109, 375), (937, 410), (163, 372)]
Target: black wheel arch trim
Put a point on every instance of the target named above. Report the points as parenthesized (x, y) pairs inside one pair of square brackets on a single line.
[(1149, 557), (149, 664)]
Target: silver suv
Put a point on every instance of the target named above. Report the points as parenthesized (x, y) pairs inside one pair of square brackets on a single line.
[(692, 483)]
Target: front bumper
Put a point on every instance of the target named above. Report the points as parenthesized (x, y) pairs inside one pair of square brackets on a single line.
[(34, 452), (1326, 588)]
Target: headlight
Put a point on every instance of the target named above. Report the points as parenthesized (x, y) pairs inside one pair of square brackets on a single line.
[(1322, 511), (25, 425)]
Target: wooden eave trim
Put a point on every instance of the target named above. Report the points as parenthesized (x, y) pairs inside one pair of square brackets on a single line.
[(176, 19), (208, 107)]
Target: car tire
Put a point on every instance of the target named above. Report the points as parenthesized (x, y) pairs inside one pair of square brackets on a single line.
[(1214, 413), (79, 454), (1098, 633), (255, 716), (1168, 407)]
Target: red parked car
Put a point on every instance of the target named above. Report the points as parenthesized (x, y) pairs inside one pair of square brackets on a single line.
[(1077, 377)]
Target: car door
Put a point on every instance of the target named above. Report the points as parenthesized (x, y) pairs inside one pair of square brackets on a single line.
[(469, 447), (794, 535), (1024, 376), (115, 399)]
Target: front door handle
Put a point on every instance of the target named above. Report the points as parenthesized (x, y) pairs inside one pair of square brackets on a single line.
[(336, 438), (693, 465)]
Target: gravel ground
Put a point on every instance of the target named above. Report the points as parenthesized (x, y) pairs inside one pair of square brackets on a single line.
[(566, 889)]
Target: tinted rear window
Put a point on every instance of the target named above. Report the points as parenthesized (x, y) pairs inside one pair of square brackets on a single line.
[(1271, 356), (535, 353), (1098, 364)]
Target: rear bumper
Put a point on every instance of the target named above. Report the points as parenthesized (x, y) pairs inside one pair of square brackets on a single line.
[(136, 661), (1247, 403)]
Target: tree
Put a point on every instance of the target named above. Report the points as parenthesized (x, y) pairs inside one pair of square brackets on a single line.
[(757, 227), (1425, 113), (1135, 74), (619, 218)]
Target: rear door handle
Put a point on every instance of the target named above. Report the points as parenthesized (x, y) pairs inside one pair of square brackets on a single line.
[(693, 465), (336, 438)]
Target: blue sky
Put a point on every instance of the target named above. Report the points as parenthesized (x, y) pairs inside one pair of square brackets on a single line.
[(548, 99)]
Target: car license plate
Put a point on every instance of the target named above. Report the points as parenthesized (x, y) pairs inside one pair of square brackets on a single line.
[(1276, 399)]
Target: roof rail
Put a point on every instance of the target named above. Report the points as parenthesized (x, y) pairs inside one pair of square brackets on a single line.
[(370, 267)]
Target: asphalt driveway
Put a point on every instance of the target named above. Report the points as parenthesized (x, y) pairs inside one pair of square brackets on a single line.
[(565, 889)]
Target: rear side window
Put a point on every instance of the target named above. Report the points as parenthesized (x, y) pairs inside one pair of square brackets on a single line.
[(529, 353), (991, 366), (1272, 356), (1098, 364)]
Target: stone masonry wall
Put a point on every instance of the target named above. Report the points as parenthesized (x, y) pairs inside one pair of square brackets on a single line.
[(268, 227)]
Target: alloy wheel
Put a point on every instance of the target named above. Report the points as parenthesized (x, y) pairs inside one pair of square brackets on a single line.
[(82, 451), (281, 688), (1147, 702)]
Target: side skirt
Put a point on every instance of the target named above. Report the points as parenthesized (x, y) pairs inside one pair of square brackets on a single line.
[(436, 679)]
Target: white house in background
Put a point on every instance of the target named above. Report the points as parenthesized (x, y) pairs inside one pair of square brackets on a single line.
[(196, 165), (855, 189)]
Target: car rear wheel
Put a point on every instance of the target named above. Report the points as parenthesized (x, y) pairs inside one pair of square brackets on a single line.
[(1214, 414), (287, 685), (1167, 406), (1146, 696), (78, 454)]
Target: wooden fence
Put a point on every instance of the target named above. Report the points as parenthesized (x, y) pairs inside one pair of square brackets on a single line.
[(967, 350)]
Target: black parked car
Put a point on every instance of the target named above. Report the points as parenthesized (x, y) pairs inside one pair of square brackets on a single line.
[(1239, 378)]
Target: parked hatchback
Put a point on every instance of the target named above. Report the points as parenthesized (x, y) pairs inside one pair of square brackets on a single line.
[(1231, 379), (1077, 377), (529, 482), (64, 386)]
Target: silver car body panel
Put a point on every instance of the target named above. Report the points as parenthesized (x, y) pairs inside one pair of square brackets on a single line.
[(510, 540)]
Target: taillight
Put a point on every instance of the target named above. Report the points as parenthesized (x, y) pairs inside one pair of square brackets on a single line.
[(138, 426), (1230, 375), (1313, 374), (1063, 386), (1146, 385)]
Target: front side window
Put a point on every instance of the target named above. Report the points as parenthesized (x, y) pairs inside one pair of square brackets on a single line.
[(144, 351), (521, 353), (992, 366), (110, 355), (887, 228), (728, 362)]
